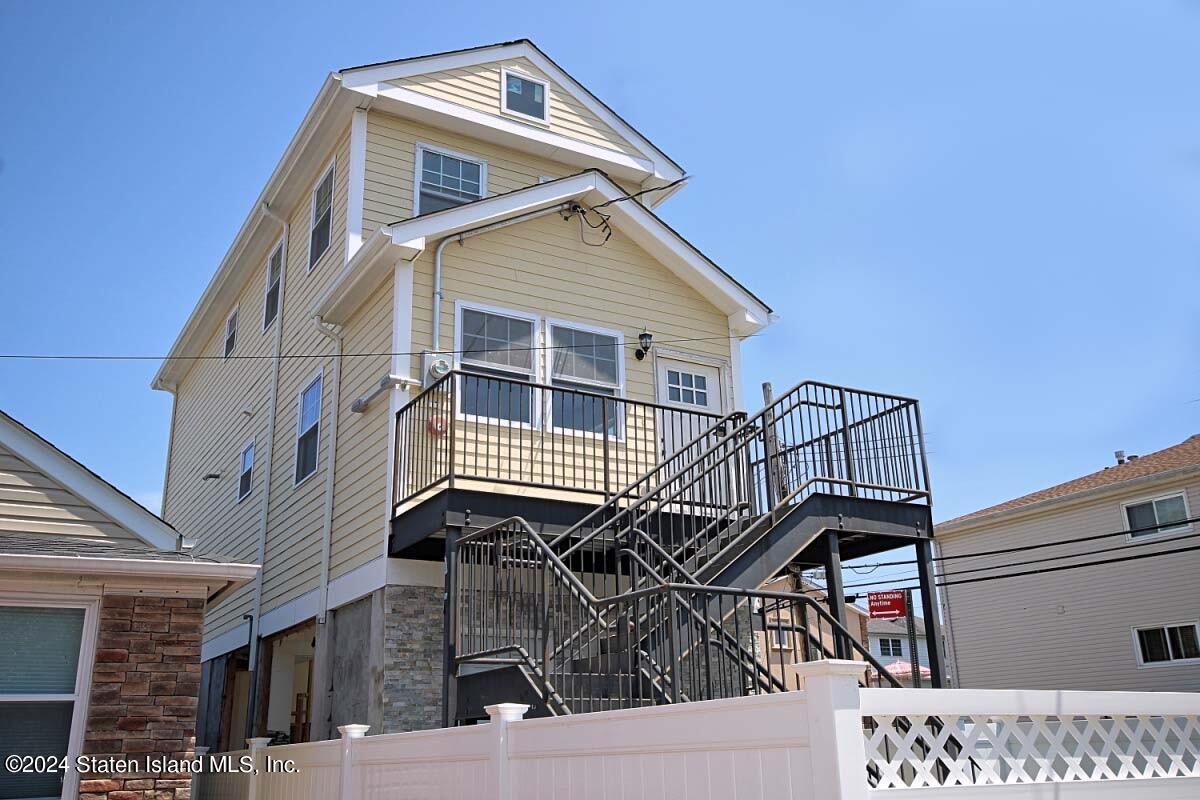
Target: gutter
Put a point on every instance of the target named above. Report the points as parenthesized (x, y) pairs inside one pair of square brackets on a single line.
[(333, 334)]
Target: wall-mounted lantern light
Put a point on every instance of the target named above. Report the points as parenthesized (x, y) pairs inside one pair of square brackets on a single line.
[(644, 339)]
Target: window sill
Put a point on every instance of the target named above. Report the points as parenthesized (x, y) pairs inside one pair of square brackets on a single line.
[(1178, 662), (1166, 533)]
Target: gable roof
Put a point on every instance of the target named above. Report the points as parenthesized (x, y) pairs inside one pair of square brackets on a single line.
[(1181, 458), (406, 239), (106, 498), (370, 78), (326, 120)]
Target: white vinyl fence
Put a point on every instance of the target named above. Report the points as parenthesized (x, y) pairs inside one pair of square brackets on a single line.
[(831, 741)]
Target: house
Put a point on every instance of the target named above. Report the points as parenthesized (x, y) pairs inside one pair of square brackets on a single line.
[(101, 607), (454, 354), (1108, 597), (888, 642)]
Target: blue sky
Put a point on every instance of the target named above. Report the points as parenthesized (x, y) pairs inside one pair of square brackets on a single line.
[(994, 207)]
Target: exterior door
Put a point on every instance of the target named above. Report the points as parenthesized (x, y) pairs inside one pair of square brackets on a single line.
[(695, 390)]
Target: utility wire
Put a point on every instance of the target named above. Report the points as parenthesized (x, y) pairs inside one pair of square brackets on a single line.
[(1028, 547), (269, 356)]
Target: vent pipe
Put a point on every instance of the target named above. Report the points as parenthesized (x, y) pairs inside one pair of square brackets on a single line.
[(1120, 454)]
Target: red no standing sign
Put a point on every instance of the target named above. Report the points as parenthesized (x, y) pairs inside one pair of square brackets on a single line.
[(886, 605)]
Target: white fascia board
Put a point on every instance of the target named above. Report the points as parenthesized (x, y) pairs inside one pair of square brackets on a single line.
[(105, 497), (199, 571), (363, 77), (508, 132), (362, 274), (316, 129)]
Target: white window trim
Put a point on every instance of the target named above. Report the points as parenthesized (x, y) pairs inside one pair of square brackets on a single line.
[(278, 248), (225, 356), (304, 387), (445, 151), (464, 305), (312, 211), (253, 462), (1163, 532), (504, 109), (776, 630), (83, 676), (548, 339), (1177, 662)]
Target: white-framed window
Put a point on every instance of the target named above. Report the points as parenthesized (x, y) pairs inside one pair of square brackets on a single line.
[(274, 286), (45, 673), (524, 96), (585, 359), (687, 387), (781, 638), (246, 471), (231, 323), (308, 428), (497, 348), (1142, 517), (1167, 644), (446, 179), (321, 231), (891, 648)]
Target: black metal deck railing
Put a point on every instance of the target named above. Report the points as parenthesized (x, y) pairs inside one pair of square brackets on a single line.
[(503, 430)]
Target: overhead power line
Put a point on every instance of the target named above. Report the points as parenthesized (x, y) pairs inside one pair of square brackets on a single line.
[(269, 356)]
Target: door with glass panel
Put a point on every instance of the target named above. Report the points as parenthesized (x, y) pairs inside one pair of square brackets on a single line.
[(692, 391), (40, 693)]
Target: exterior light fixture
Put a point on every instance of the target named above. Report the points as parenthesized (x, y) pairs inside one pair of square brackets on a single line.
[(644, 339)]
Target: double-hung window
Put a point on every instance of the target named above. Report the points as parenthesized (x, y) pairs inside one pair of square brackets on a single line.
[(1166, 514), (781, 637), (497, 349), (308, 429), (246, 473), (231, 333), (584, 361), (41, 690), (1168, 643), (891, 648), (448, 180), (321, 232), (274, 282)]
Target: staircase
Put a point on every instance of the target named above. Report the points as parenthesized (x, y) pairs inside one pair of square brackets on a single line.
[(652, 598)]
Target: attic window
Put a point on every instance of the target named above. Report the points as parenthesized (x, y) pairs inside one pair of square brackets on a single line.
[(524, 96)]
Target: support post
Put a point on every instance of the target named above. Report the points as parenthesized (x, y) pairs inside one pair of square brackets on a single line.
[(933, 628), (501, 715), (350, 788), (835, 728), (256, 744), (774, 478), (449, 633), (835, 592)]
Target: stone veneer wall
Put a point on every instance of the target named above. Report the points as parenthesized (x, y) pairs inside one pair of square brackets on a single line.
[(412, 658), (143, 698)]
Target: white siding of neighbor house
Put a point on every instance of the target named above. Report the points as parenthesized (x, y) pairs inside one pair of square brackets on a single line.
[(905, 650), (33, 502), (1071, 629)]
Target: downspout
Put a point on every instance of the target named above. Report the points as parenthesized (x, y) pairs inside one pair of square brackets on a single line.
[(333, 334), (435, 344), (264, 506)]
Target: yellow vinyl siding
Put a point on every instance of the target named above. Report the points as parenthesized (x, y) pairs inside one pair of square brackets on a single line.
[(210, 426), (391, 166), (478, 87), (360, 506), (33, 502), (1070, 629)]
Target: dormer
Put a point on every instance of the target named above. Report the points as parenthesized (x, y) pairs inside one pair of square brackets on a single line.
[(515, 96)]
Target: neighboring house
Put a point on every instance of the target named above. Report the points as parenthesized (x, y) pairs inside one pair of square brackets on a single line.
[(446, 309), (1131, 624), (889, 644), (101, 608), (787, 628)]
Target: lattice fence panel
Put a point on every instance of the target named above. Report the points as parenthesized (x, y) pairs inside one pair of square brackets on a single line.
[(978, 750)]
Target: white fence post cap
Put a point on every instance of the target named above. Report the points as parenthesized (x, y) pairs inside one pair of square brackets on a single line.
[(506, 712), (258, 742), (353, 731), (829, 668)]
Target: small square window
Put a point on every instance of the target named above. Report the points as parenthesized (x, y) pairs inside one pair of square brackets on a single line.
[(525, 96), (687, 387), (892, 648)]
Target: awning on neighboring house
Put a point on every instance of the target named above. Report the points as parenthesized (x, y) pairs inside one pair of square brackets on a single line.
[(902, 670)]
